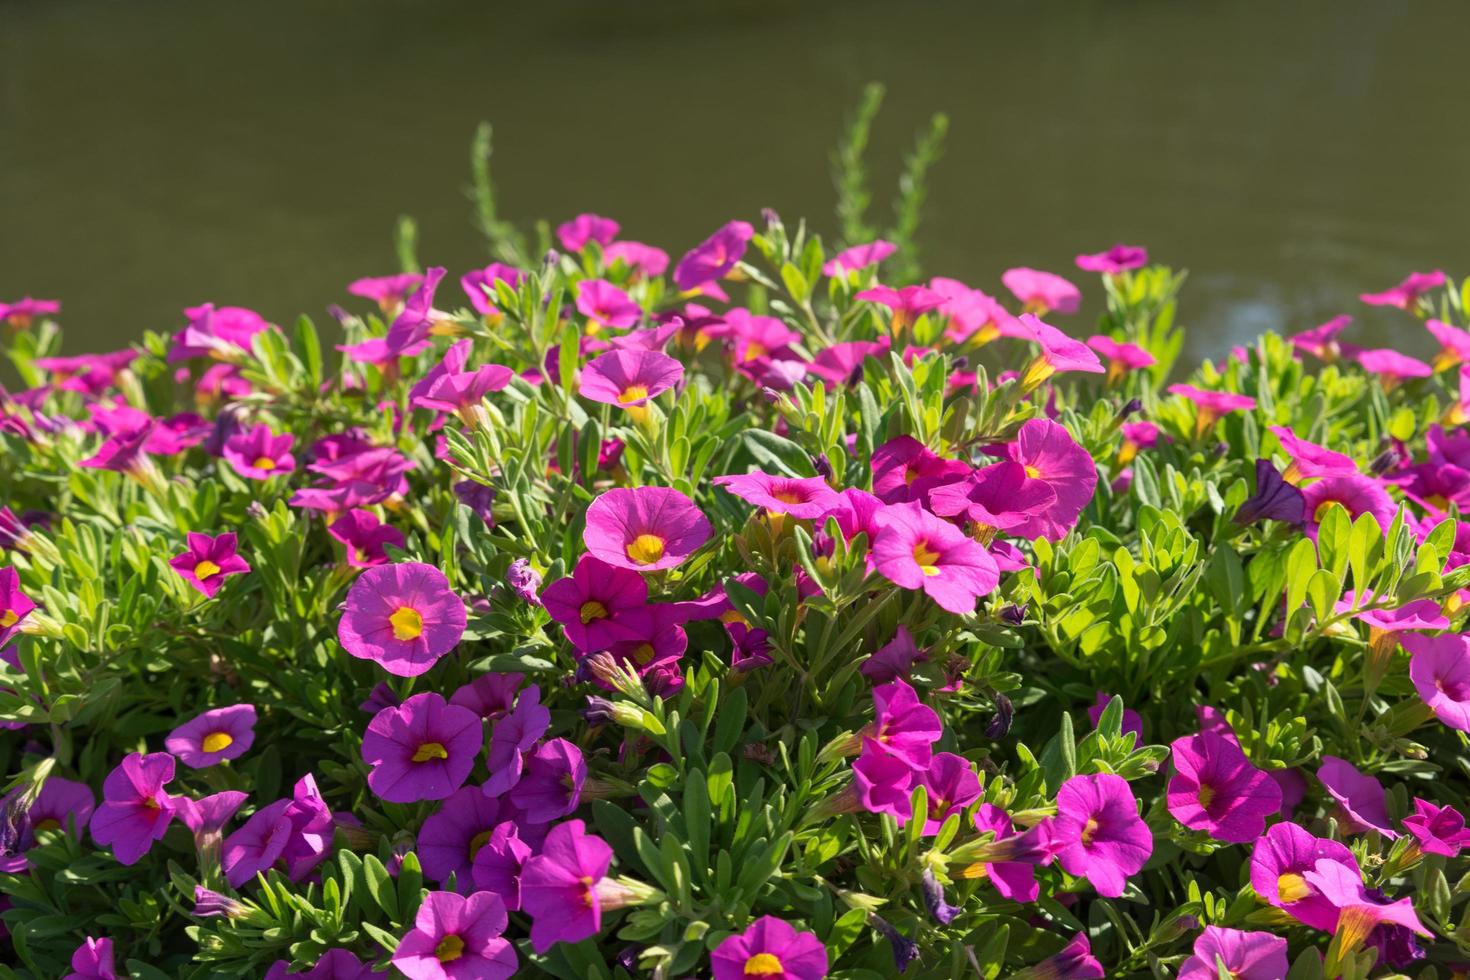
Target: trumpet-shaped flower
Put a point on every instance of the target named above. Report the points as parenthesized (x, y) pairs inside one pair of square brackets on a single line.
[(1245, 955), (479, 285), (1357, 912), (1361, 798), (450, 839), (259, 454), (404, 616), (916, 550), (605, 305), (135, 810), (498, 863), (364, 537), (769, 949), (1439, 666), (1048, 452), (214, 736), (455, 937), (906, 305), (1357, 495), (23, 311), (645, 529), (1406, 294), (1042, 292), (905, 469), (1392, 367), (599, 604), (423, 749), (1097, 832), (560, 887), (713, 258), (858, 257), (999, 497), (550, 786), (575, 234), (1309, 459), (1322, 342), (15, 605), (629, 378), (644, 260), (805, 498), (1279, 863), (1115, 261), (1216, 789), (209, 561), (1437, 829), (93, 960), (388, 292)]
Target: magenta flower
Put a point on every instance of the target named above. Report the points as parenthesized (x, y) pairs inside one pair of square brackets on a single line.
[(1278, 864), (562, 887), (499, 862), (973, 316), (913, 549), (858, 257), (1042, 292), (388, 292), (575, 234), (952, 785), (769, 949), (423, 749), (1049, 453), (1122, 358), (365, 538), (1216, 789), (62, 804), (335, 964), (1356, 494), (404, 616), (599, 604), (226, 332), (1309, 459), (457, 938), (806, 498), (605, 305), (91, 375), (1437, 829), (1392, 367), (882, 781), (1246, 955), (1322, 341), (460, 391), (15, 605), (1454, 344), (515, 735), (1132, 720), (126, 452), (409, 332), (1361, 798), (214, 736), (93, 960), (479, 285), (207, 816), (1439, 666), (907, 304), (1115, 261), (294, 833), (259, 454), (23, 311), (644, 528), (1015, 880), (903, 724), (1210, 406), (1097, 832), (713, 258), (1406, 294), (551, 783), (135, 810), (999, 497), (643, 260), (629, 378), (842, 363), (1358, 913), (905, 469), (209, 561), (893, 660), (449, 840), (1059, 353)]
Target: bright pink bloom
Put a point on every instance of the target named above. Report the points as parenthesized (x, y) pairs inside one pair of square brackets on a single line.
[(858, 257), (916, 550), (1059, 353), (999, 497), (1216, 789), (209, 561), (388, 292), (1357, 494), (1122, 358), (644, 528), (1421, 614), (550, 786), (905, 469), (1309, 459), (1437, 829), (973, 315), (1074, 962), (575, 234), (214, 736), (479, 285), (450, 839), (365, 538), (404, 616), (903, 724), (952, 786), (1042, 292), (1015, 880), (605, 305), (409, 332), (1281, 859), (335, 964), (629, 378), (499, 862), (423, 749), (1358, 913), (1118, 259), (226, 332), (449, 387), (259, 454), (769, 949), (1406, 294), (1211, 405), (1097, 832), (907, 304), (1049, 453), (93, 960), (24, 310), (457, 938), (126, 452), (644, 260), (755, 339), (135, 810), (1454, 344), (514, 736), (805, 498), (1322, 341), (294, 834), (599, 604), (842, 363), (565, 888), (1246, 955), (1439, 666), (15, 605), (713, 258), (1361, 798), (1392, 367)]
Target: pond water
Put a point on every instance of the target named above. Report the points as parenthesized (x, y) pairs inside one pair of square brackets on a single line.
[(159, 154)]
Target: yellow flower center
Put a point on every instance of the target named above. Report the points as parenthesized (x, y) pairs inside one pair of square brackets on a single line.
[(1292, 888), (763, 965), (1089, 830), (1206, 796), (927, 558), (407, 623), (753, 351), (643, 654), (646, 549), (450, 948), (633, 393), (787, 496), (478, 841), (265, 463), (8, 618), (592, 611), (1033, 472), (731, 616), (206, 569), (217, 741), (1437, 501), (50, 823), (1321, 511), (589, 891), (430, 750)]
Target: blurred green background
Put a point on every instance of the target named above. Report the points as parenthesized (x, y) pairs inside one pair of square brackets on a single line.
[(155, 155)]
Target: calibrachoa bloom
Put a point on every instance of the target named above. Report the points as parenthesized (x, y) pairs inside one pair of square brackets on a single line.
[(1361, 798), (1216, 789), (1439, 666), (364, 538), (1392, 367), (1115, 261), (457, 938), (294, 833), (1281, 859), (1210, 406), (213, 737), (550, 786), (1048, 453), (1042, 292), (1074, 962), (804, 498), (1437, 829), (1309, 459), (259, 453), (907, 304), (575, 234), (1132, 721), (1245, 955), (645, 528), (1356, 494), (135, 810), (599, 604), (1406, 294), (858, 257), (605, 305), (562, 886), (15, 605), (1122, 358), (1097, 832), (769, 949), (209, 561), (629, 378), (1059, 353), (388, 292), (20, 313), (916, 550), (404, 616), (1015, 880), (1357, 912), (93, 960), (714, 257), (423, 749)]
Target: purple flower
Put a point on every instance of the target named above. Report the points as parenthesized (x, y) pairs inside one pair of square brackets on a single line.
[(1437, 829), (1439, 666), (904, 469), (15, 605), (1115, 261), (214, 736), (1059, 353), (1246, 955), (335, 964), (295, 833), (1049, 453), (24, 310), (1074, 962), (1000, 497), (882, 781), (1275, 499), (449, 840), (1282, 856), (629, 378), (1357, 495), (209, 561), (515, 735), (524, 581), (477, 497), (490, 696), (259, 453), (1211, 406), (1361, 798), (1042, 292), (598, 604), (713, 258), (575, 234), (457, 938), (404, 616), (92, 961), (1097, 832), (551, 783), (1015, 880), (894, 660), (916, 550), (907, 304), (365, 538), (499, 862), (1216, 789), (1357, 912), (641, 259), (769, 949), (423, 749), (560, 886), (645, 529), (1322, 341), (135, 810), (388, 292)]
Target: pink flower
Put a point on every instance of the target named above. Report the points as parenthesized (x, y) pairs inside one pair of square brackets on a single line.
[(294, 833), (1042, 292), (903, 725), (575, 234), (1358, 913), (644, 260), (23, 311), (1059, 353), (1211, 405), (1132, 720), (858, 257), (916, 550), (365, 538), (1439, 666), (214, 736), (499, 862), (1122, 358), (605, 305), (713, 258), (479, 285), (805, 498), (999, 497), (599, 604), (1309, 459), (952, 786), (1361, 798), (1015, 880), (1454, 344), (423, 749), (905, 469), (93, 960), (1115, 261), (259, 453), (209, 561), (769, 949), (973, 316), (409, 332), (1074, 962), (1048, 452), (907, 304), (1356, 494), (550, 786), (1098, 833), (1246, 955), (646, 528), (135, 810), (1392, 367), (387, 291), (1437, 829), (1279, 863), (404, 616), (1406, 294), (565, 888), (457, 938), (1216, 789), (629, 378), (15, 605), (1322, 341), (226, 332)]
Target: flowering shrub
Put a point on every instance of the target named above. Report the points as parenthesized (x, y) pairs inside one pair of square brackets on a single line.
[(752, 615)]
